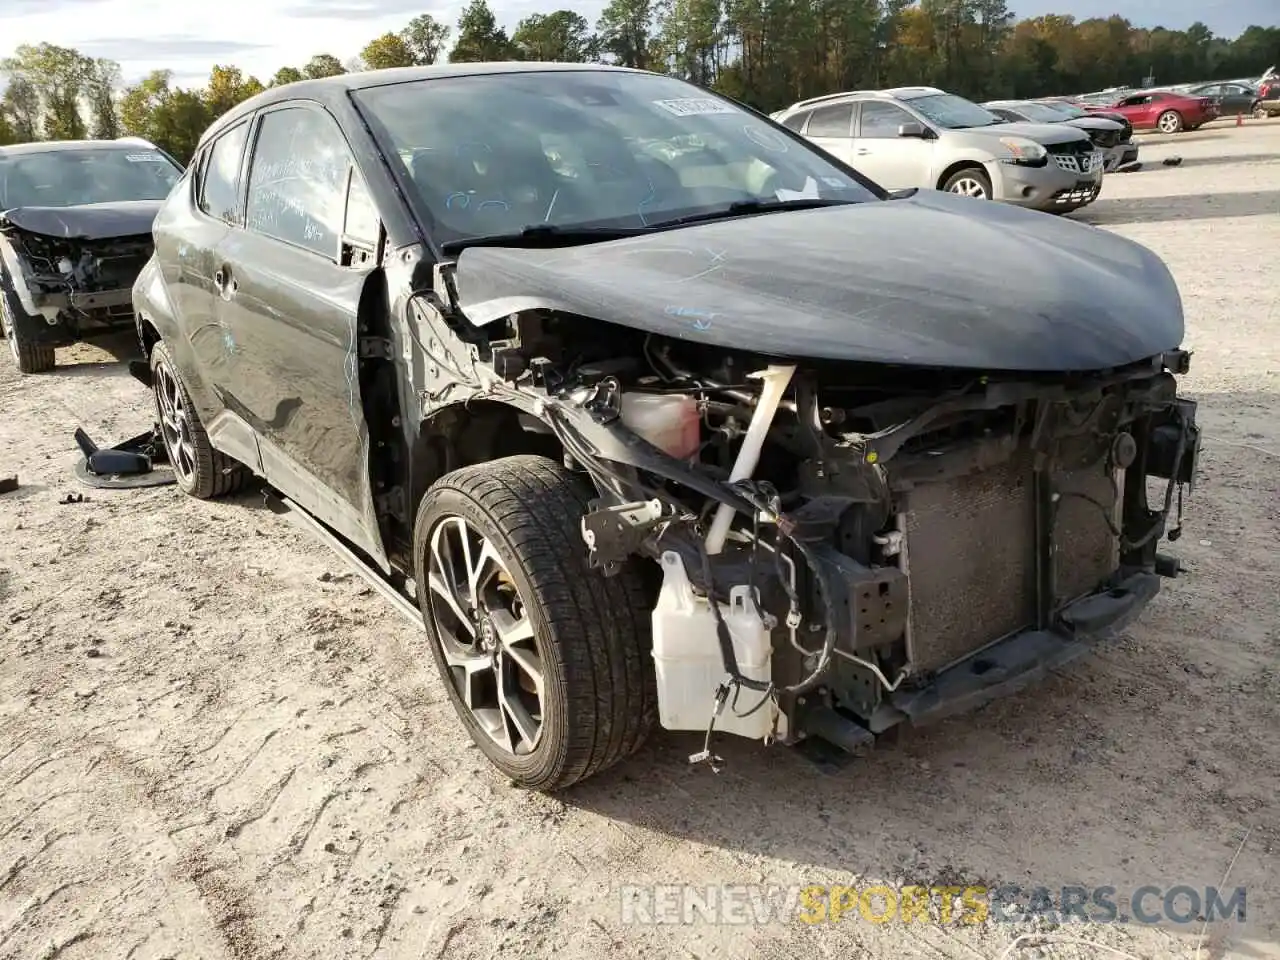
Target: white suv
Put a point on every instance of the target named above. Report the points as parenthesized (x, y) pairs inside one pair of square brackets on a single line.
[(926, 138)]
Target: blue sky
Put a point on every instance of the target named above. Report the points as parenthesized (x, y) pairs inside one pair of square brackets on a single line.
[(262, 35)]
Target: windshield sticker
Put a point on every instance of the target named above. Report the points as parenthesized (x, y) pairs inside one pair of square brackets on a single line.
[(837, 182), (766, 138), (810, 191), (144, 158), (694, 106)]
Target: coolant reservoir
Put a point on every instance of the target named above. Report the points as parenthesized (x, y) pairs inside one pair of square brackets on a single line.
[(686, 656), (669, 421)]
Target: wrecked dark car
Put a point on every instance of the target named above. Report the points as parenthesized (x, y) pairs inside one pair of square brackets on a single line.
[(75, 230), (661, 415)]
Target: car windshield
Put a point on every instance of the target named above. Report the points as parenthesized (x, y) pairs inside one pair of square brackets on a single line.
[(1067, 110), (65, 178), (1039, 113), (491, 155), (952, 112)]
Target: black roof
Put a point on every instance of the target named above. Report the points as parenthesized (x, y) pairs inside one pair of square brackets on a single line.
[(325, 88), (71, 146)]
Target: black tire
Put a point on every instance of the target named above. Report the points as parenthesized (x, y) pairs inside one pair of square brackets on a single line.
[(203, 472), (976, 174), (1171, 119), (1258, 111), (591, 633), (27, 356)]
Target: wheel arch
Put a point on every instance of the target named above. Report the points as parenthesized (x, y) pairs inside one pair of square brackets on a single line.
[(471, 432), (957, 165)]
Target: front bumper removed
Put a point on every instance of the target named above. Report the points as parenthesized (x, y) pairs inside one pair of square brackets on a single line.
[(1023, 658)]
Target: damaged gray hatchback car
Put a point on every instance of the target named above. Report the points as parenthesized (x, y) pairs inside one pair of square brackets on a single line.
[(660, 414), (75, 230)]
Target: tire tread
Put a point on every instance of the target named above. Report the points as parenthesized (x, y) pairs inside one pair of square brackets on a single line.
[(599, 625)]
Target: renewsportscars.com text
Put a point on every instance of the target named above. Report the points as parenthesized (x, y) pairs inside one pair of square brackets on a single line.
[(759, 904)]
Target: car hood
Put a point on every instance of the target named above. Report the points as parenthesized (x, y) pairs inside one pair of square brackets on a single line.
[(933, 280), (1045, 133), (90, 221), (1094, 123)]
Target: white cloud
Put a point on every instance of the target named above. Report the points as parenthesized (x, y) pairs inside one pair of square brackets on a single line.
[(260, 36)]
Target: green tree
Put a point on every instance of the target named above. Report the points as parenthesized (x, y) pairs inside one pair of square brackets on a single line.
[(169, 117), (425, 36), (227, 88), (286, 75), (479, 36), (20, 108), (388, 50), (103, 86), (626, 30), (562, 36), (60, 77), (323, 65)]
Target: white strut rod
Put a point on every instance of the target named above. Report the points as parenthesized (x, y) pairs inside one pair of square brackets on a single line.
[(776, 379)]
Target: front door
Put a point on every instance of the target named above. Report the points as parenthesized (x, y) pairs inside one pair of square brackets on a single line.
[(288, 298), (893, 161)]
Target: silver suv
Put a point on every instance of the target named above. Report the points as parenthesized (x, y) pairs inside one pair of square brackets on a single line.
[(927, 138)]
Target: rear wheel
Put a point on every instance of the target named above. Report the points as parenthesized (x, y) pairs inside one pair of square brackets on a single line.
[(969, 182), (200, 470), (1259, 111), (1170, 122), (544, 659), (29, 357)]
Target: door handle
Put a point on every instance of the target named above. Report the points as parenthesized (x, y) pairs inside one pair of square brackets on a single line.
[(861, 151)]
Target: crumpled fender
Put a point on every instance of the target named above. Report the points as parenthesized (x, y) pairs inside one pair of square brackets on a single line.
[(17, 272)]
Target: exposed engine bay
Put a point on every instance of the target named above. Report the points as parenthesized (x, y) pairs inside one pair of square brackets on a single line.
[(78, 285), (842, 546)]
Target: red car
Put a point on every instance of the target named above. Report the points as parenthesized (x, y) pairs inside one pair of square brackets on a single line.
[(1162, 110)]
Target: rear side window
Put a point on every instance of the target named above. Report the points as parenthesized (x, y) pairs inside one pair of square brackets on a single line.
[(796, 121), (833, 121), (298, 180), (219, 182)]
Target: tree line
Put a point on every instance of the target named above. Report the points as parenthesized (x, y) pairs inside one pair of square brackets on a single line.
[(767, 53)]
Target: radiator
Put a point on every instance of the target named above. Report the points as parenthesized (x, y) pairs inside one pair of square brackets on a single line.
[(971, 548)]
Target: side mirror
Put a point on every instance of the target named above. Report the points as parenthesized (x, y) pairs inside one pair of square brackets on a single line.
[(912, 130)]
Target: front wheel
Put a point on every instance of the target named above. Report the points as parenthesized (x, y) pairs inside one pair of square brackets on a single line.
[(1259, 111), (545, 660), (969, 182), (1170, 122), (28, 356), (200, 470)]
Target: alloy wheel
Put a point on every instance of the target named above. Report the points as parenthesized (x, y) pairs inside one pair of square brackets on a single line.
[(1169, 123), (969, 187), (175, 425), (486, 636)]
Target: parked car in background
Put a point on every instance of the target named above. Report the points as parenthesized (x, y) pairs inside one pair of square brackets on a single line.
[(75, 230), (653, 401), (1107, 135), (1164, 110), (1128, 150), (926, 138), (1230, 99), (1268, 102)]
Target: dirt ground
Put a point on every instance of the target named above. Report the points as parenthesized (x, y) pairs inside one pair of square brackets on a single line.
[(215, 742)]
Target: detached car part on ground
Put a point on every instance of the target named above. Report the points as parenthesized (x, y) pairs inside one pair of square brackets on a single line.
[(75, 230), (925, 138), (647, 444)]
